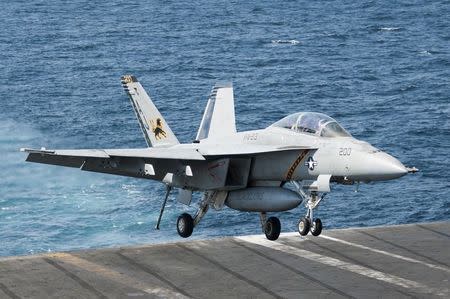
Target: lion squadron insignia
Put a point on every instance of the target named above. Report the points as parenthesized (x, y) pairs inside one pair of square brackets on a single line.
[(157, 129)]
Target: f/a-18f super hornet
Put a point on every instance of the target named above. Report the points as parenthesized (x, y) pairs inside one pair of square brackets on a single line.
[(269, 170)]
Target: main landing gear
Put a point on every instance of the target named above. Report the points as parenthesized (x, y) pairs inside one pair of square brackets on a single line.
[(308, 223), (271, 226), (185, 225), (185, 222)]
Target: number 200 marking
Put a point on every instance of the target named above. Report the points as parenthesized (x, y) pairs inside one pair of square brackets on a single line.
[(345, 151)]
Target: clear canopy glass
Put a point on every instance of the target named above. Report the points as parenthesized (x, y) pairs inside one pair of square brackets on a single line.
[(312, 123)]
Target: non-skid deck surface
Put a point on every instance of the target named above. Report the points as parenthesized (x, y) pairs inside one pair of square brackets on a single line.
[(388, 262)]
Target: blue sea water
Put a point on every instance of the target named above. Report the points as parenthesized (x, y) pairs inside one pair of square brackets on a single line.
[(381, 68)]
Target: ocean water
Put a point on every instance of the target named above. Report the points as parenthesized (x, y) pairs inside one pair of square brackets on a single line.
[(381, 68)]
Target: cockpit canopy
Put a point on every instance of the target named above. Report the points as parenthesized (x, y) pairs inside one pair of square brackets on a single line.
[(312, 123)]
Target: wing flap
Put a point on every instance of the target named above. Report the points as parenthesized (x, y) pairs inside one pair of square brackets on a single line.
[(68, 158), (46, 158)]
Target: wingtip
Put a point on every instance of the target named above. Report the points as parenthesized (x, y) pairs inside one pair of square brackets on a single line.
[(223, 84), (42, 150)]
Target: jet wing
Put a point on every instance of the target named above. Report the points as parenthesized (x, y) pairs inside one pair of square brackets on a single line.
[(75, 158), (201, 168), (150, 163)]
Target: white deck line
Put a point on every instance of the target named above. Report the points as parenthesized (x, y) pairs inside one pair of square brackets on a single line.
[(432, 266), (329, 261)]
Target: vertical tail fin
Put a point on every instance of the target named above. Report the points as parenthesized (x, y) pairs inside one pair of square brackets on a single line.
[(218, 119), (156, 131)]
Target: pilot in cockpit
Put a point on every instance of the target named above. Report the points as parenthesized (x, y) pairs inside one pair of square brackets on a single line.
[(308, 123), (312, 123)]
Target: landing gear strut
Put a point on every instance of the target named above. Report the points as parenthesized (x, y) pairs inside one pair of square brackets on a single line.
[(185, 222), (271, 227), (309, 223)]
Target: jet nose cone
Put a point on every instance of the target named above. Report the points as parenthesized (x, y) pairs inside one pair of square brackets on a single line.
[(388, 167)]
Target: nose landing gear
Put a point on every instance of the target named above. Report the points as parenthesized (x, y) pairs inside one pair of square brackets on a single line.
[(316, 227), (308, 223), (303, 226)]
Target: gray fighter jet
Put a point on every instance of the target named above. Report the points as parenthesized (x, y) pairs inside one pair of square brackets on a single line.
[(275, 169)]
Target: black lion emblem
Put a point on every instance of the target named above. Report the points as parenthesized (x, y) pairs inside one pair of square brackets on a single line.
[(157, 129)]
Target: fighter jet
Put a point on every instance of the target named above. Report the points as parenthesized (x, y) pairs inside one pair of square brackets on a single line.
[(275, 169)]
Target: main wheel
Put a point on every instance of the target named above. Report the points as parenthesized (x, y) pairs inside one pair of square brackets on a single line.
[(316, 227), (303, 226), (272, 228), (185, 225)]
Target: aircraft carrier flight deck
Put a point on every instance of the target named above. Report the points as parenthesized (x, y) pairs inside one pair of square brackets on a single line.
[(403, 261)]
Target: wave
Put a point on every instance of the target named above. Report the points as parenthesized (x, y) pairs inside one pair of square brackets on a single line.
[(425, 52), (285, 41), (389, 28)]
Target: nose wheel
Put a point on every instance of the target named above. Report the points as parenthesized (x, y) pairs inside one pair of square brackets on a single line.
[(305, 225), (316, 227), (309, 223)]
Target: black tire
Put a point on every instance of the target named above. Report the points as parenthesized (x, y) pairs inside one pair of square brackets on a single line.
[(303, 226), (185, 225), (272, 228), (316, 227)]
